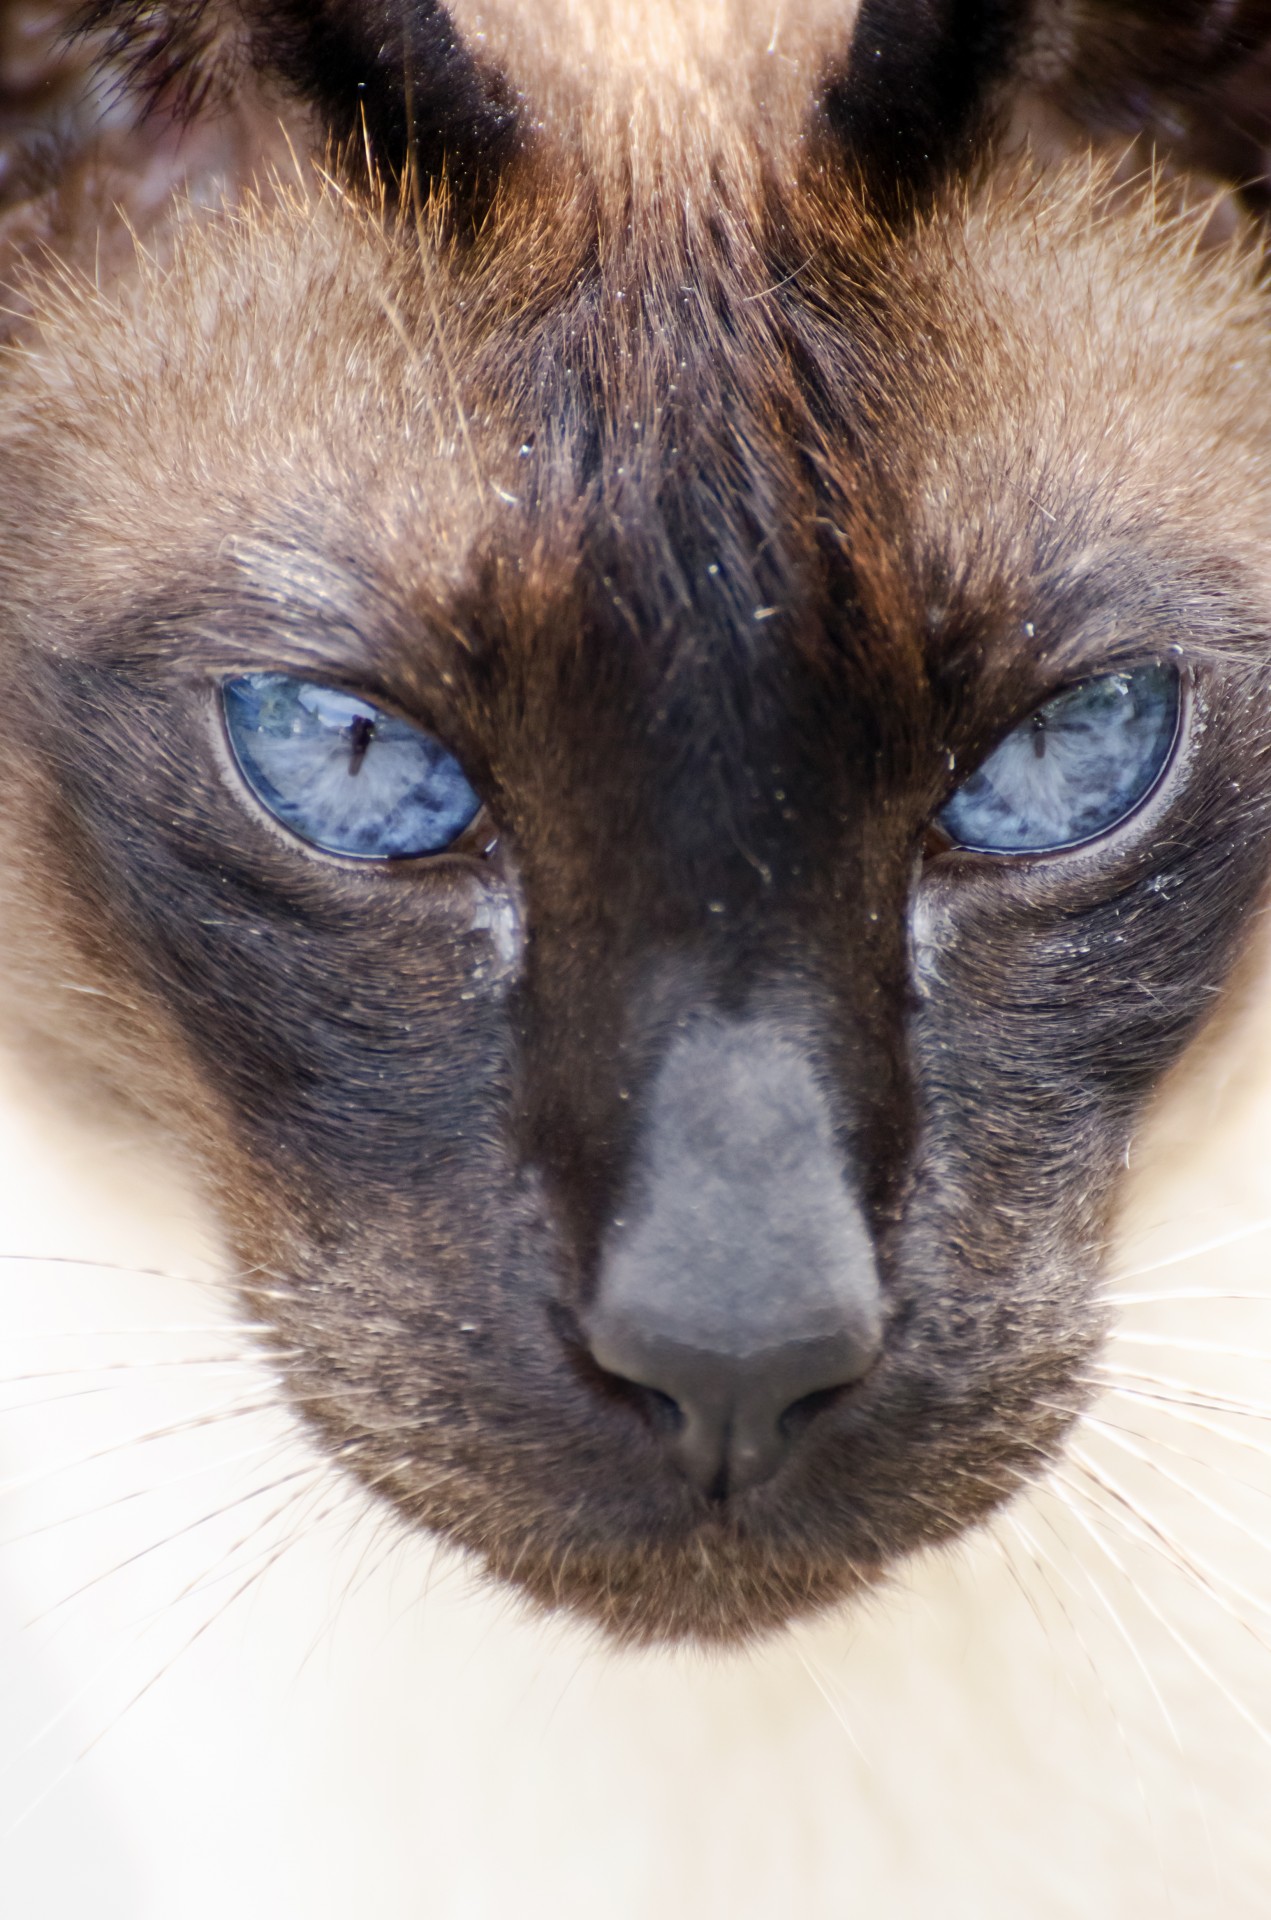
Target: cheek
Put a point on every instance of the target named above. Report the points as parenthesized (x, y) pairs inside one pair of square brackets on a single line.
[(363, 1047), (1042, 1028), (1029, 1078)]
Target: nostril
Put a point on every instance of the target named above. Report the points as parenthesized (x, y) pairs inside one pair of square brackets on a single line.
[(658, 1410), (729, 1419), (664, 1414), (802, 1413)]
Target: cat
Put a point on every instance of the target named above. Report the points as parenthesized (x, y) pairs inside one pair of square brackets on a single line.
[(632, 732)]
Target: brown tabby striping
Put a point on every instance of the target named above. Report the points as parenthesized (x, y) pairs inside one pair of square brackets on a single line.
[(720, 425)]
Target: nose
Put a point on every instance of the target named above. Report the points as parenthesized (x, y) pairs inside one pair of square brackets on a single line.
[(741, 1278)]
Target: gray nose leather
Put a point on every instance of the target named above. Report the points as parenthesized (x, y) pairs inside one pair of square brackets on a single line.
[(741, 1278)]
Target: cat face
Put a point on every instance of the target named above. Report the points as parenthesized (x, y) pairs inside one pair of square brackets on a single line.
[(670, 1111)]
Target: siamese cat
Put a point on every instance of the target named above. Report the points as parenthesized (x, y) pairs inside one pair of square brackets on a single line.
[(635, 656)]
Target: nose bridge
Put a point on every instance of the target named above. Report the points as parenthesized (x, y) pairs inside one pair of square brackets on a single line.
[(739, 1276)]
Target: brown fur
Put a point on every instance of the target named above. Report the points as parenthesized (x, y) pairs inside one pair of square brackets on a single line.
[(712, 498)]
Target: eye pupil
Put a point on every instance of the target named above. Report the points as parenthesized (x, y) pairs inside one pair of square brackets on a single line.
[(344, 775), (361, 734), (1079, 766)]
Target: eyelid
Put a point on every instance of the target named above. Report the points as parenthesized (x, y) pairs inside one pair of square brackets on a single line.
[(1105, 668), (1019, 688), (321, 673)]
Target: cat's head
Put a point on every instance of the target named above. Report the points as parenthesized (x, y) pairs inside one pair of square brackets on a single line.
[(648, 739)]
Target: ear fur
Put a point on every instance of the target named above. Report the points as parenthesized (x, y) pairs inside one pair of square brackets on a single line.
[(95, 140), (208, 82)]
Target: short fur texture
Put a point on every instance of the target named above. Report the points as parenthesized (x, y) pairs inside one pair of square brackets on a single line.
[(720, 439)]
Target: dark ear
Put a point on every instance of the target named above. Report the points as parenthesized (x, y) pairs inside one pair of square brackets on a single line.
[(397, 68), (1193, 76), (928, 83), (923, 85), (90, 91), (392, 73), (112, 107)]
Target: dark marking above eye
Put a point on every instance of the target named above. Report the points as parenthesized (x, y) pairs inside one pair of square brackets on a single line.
[(428, 103)]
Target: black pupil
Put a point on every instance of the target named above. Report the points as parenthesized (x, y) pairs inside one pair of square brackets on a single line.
[(361, 734)]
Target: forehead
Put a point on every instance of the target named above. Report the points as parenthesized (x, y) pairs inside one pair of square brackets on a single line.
[(672, 392), (607, 73)]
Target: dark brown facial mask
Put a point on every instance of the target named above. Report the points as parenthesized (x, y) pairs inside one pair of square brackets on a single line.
[(686, 1186)]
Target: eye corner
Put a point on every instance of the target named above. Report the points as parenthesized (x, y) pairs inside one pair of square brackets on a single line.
[(935, 841)]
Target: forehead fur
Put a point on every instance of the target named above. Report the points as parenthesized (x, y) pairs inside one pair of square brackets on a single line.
[(304, 360), (637, 89)]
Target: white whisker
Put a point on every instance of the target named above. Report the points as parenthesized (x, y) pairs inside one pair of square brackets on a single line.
[(207, 1417), (1249, 1231), (388, 1539), (190, 1330), (178, 1533), (238, 1369), (1136, 1525), (1173, 1408), (1182, 1343), (1145, 1600), (1047, 1565), (138, 1635), (252, 1578), (1219, 1511), (1021, 1585), (1121, 1629), (823, 1687), (1167, 1295), (220, 1284), (1213, 1401), (146, 1492), (255, 1361)]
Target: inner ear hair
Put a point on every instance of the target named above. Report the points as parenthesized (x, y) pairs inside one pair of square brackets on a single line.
[(393, 77)]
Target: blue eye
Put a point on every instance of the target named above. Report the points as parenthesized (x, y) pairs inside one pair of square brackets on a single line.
[(1076, 768), (342, 774)]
